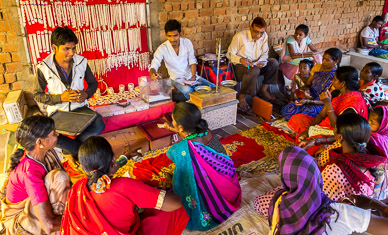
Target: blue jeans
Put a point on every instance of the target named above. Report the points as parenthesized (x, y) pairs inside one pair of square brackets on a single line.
[(95, 128), (187, 89), (377, 52)]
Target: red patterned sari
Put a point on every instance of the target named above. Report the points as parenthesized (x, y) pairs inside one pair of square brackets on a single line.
[(352, 100)]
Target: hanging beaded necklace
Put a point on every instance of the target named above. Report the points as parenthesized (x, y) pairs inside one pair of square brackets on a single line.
[(196, 135)]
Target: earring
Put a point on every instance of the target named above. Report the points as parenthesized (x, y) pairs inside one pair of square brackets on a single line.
[(41, 146)]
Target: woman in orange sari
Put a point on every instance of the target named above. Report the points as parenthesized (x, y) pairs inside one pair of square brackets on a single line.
[(99, 204), (349, 100)]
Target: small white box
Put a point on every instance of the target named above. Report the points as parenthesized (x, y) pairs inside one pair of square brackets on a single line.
[(15, 106), (220, 115)]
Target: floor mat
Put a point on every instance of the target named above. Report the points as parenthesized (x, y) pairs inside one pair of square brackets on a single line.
[(254, 151), (246, 220)]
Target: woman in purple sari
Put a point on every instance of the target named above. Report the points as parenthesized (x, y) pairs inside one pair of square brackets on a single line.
[(204, 177), (302, 207), (321, 77)]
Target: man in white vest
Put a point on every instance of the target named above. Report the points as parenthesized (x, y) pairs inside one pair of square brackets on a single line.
[(60, 85)]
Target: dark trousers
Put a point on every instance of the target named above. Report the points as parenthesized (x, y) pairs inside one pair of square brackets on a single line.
[(249, 77), (95, 128)]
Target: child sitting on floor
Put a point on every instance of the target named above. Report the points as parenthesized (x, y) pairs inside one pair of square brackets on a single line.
[(299, 89), (370, 85)]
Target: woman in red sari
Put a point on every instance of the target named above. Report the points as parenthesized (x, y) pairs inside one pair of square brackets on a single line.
[(350, 100), (99, 204)]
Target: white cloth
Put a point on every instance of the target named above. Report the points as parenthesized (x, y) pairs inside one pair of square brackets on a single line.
[(350, 219), (371, 34), (178, 66), (243, 46), (56, 86)]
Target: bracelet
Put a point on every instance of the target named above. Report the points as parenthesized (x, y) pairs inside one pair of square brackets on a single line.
[(317, 141), (331, 110)]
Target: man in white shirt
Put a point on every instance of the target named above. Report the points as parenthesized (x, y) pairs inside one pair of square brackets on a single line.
[(248, 52), (369, 37), (178, 55)]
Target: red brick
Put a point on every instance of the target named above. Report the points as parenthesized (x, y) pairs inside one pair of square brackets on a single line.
[(184, 6), (10, 47), (243, 11), (168, 7), (12, 67), (10, 77), (2, 80), (206, 12), (293, 7), (5, 58), (176, 6), (4, 88), (207, 28), (191, 6), (191, 14), (199, 5), (15, 57), (220, 27), (19, 85), (176, 15), (219, 11), (2, 68), (285, 7)]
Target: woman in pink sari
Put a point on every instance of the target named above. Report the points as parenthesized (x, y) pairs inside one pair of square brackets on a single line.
[(204, 176)]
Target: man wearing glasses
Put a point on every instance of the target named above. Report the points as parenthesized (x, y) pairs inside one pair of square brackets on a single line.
[(248, 52)]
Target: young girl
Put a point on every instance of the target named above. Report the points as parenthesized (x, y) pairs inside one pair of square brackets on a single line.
[(370, 85), (378, 120), (294, 51), (299, 89)]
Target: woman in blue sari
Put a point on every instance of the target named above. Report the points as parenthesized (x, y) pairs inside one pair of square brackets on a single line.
[(204, 177), (321, 77)]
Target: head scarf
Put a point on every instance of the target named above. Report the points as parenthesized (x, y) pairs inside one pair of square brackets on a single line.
[(380, 138), (304, 209), (349, 164)]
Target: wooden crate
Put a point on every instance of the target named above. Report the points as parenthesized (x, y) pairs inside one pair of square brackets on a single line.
[(132, 137), (204, 100)]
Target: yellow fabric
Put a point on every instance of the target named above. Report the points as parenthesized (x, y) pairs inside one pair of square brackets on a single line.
[(275, 216)]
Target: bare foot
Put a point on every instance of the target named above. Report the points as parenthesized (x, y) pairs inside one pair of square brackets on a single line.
[(267, 95), (242, 102)]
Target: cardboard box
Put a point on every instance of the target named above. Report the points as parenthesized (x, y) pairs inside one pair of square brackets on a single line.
[(132, 137), (15, 106)]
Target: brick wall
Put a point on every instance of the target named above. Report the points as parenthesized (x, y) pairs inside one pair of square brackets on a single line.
[(15, 72), (332, 22)]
